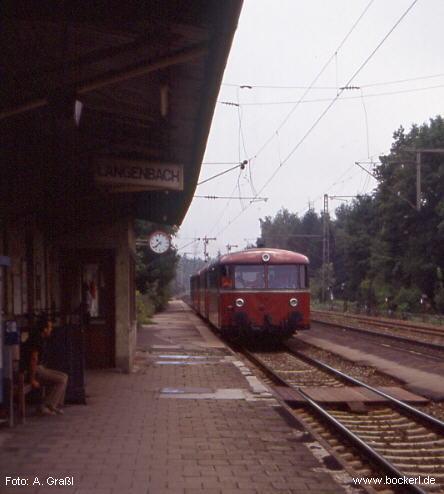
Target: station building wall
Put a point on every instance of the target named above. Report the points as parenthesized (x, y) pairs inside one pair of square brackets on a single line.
[(34, 281)]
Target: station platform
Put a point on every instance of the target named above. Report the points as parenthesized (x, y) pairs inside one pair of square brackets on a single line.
[(420, 373), (190, 418)]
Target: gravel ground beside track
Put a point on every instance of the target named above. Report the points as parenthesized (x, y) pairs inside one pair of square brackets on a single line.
[(411, 446), (432, 334), (419, 359), (365, 373), (435, 409)]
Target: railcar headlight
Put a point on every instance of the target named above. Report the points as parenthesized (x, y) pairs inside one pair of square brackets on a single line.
[(294, 302), (240, 302)]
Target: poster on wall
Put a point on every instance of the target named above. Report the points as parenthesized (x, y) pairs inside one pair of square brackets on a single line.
[(90, 284)]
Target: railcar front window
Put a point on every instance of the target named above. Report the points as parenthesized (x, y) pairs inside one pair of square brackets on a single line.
[(251, 277), (286, 277)]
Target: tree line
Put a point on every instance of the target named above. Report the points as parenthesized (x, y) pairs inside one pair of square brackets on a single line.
[(383, 249)]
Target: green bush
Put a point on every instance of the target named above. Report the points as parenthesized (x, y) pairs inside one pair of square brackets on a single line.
[(315, 288), (383, 292), (366, 293), (439, 299), (408, 299), (145, 308)]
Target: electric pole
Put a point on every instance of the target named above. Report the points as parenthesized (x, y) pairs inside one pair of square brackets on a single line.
[(419, 153), (418, 162), (325, 246), (206, 241), (326, 274), (418, 180), (230, 246)]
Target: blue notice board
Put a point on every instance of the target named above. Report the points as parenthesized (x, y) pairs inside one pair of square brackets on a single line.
[(4, 263)]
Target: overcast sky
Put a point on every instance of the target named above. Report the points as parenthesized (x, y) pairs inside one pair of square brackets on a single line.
[(284, 44)]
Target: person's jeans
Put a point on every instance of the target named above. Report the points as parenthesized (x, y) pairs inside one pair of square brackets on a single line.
[(56, 382)]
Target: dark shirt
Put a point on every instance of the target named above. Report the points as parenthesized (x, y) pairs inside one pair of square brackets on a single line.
[(35, 343)]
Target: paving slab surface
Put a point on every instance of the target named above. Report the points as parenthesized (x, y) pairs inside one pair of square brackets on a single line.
[(189, 419)]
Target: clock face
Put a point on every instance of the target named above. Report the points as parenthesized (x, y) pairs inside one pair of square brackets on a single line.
[(159, 242)]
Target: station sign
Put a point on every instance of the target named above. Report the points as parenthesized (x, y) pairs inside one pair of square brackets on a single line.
[(123, 175)]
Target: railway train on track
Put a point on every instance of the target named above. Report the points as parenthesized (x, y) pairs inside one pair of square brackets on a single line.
[(254, 292)]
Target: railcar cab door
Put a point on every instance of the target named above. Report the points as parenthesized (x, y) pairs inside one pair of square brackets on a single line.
[(213, 294), (202, 293)]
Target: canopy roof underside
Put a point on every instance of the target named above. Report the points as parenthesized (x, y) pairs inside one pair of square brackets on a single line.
[(136, 81)]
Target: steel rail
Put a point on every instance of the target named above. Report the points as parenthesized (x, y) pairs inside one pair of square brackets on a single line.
[(434, 346), (361, 445), (427, 329), (439, 424)]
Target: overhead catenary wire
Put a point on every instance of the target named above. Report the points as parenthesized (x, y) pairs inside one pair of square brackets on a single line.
[(224, 210), (187, 244), (237, 184), (389, 188), (341, 44), (241, 139), (324, 67), (338, 181), (332, 102), (346, 98), (239, 165), (220, 162), (205, 239), (330, 88), (255, 198), (239, 142), (366, 124), (325, 111)]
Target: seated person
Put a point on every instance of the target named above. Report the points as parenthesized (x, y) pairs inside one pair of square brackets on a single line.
[(39, 374)]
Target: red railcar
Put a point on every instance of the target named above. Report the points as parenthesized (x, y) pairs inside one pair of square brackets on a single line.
[(254, 291)]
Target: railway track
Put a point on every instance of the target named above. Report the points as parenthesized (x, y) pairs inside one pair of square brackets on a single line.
[(394, 437), (425, 336)]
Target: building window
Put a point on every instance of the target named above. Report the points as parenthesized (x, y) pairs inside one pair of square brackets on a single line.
[(249, 276)]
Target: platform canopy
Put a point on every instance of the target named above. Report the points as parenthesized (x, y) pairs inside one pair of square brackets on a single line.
[(105, 107)]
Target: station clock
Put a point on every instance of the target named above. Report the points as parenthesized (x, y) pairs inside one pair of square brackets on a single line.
[(159, 242)]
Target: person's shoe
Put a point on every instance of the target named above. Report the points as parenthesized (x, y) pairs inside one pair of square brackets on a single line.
[(44, 410), (58, 411)]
